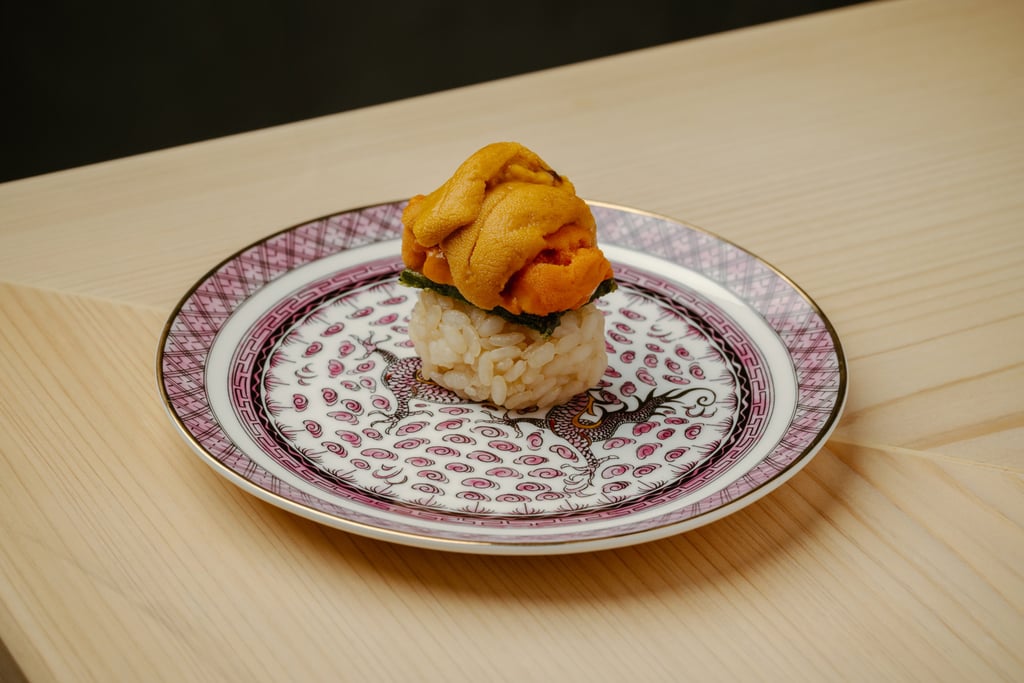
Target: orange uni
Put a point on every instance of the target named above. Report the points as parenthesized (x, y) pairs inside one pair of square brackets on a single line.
[(506, 230)]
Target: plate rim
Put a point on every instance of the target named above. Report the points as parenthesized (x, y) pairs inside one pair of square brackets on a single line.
[(513, 546)]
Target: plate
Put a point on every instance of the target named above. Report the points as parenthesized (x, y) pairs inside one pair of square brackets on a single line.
[(288, 369)]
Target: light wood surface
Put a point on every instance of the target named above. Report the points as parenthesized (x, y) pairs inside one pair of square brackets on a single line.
[(874, 154)]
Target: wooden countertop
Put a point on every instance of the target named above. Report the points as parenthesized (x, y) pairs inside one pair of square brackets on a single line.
[(875, 154)]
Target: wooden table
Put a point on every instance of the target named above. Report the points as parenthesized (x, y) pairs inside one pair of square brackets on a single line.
[(875, 154)]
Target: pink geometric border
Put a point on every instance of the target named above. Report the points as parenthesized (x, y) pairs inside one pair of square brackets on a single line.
[(812, 344)]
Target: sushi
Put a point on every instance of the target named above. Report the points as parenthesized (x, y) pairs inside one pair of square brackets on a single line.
[(506, 259)]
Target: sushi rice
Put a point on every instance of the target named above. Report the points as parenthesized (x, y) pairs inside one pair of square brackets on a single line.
[(486, 358)]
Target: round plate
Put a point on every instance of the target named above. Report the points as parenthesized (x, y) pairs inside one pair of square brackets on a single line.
[(288, 369)]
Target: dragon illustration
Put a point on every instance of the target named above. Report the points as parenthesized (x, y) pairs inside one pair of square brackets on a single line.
[(402, 376), (574, 421)]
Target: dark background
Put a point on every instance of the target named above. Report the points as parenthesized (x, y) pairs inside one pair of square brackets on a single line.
[(108, 79)]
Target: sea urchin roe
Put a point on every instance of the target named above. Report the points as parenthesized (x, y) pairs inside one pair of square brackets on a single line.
[(558, 279), (506, 231)]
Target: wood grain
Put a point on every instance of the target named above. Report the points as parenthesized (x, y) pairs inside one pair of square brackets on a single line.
[(875, 154), (166, 569), (864, 545)]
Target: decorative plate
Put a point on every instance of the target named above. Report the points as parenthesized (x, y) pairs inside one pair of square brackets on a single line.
[(289, 370)]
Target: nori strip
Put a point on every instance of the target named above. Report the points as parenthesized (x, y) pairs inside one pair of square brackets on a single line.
[(545, 324)]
